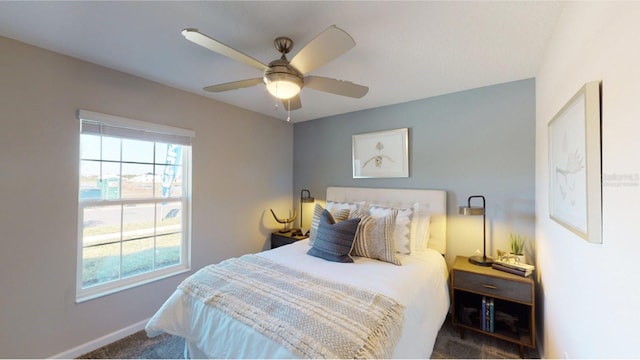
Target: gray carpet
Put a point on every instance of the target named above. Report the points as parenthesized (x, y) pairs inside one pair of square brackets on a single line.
[(475, 345), (448, 346), (139, 346)]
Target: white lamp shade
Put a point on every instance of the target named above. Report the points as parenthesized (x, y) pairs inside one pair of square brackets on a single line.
[(465, 210), (283, 85)]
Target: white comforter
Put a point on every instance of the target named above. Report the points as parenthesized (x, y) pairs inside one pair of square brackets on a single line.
[(420, 284)]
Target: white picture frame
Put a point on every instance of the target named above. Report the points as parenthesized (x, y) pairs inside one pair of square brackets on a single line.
[(575, 168), (382, 154)]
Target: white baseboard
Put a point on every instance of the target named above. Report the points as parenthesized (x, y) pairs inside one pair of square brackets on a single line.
[(101, 341)]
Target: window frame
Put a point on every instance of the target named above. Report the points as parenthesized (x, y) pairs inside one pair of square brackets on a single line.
[(145, 131)]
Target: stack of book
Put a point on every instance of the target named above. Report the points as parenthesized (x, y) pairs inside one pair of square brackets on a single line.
[(514, 268), (488, 314)]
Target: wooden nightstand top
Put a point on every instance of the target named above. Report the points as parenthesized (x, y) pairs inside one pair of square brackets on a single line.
[(462, 264), (289, 234)]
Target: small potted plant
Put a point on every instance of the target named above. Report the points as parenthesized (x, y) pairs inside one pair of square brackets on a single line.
[(517, 243)]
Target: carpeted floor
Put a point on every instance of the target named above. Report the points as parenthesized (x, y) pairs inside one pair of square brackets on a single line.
[(448, 346), (139, 346), (475, 345)]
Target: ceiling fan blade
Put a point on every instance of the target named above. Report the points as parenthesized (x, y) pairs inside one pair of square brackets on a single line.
[(293, 103), (203, 40), (233, 85), (338, 87), (325, 47)]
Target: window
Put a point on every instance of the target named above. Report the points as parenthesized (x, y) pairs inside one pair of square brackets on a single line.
[(133, 203)]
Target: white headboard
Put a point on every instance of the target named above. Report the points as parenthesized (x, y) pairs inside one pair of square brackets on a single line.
[(434, 200)]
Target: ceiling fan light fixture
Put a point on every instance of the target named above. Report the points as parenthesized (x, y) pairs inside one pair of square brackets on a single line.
[(283, 79), (283, 85)]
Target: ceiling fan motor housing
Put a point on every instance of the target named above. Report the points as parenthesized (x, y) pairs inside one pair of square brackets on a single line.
[(283, 44)]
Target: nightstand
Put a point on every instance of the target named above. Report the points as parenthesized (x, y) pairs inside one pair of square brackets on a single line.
[(279, 239), (508, 302)]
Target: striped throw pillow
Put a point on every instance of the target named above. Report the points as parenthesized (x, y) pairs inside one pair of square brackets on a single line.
[(374, 238), (334, 240), (402, 230), (338, 215)]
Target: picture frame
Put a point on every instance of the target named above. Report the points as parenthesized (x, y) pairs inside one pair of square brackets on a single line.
[(382, 154), (575, 168)]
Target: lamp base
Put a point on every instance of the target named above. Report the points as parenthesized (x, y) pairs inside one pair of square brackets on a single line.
[(481, 260)]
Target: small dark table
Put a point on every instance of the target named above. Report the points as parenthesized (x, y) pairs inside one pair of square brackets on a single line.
[(280, 239)]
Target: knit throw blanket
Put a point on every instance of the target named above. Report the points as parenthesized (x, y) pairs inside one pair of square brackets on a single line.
[(312, 317)]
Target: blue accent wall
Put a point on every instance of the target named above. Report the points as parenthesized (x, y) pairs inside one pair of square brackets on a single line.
[(480, 141)]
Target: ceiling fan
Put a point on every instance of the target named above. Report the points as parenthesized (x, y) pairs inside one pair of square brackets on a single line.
[(284, 79)]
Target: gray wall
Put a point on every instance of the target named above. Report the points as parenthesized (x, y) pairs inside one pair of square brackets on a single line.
[(480, 141), (242, 166)]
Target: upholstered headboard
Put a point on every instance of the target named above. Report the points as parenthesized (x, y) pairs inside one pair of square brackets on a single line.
[(434, 200)]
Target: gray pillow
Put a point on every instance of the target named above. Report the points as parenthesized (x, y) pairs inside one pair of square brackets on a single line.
[(334, 240), (338, 215)]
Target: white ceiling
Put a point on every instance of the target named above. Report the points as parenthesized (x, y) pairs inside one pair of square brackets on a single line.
[(404, 50)]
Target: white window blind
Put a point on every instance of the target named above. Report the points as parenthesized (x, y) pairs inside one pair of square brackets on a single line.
[(102, 124), (133, 203)]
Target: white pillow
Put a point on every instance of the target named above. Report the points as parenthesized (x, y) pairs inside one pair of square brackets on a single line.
[(402, 230), (334, 206), (420, 232)]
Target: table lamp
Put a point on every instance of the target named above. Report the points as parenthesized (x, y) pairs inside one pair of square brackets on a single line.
[(305, 197), (483, 260)]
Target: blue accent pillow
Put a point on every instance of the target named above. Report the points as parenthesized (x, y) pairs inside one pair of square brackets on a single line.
[(334, 240)]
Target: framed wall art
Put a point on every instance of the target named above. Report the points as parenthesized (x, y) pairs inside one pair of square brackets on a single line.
[(381, 154), (575, 170)]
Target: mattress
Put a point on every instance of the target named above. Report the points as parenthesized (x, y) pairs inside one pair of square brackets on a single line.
[(420, 285)]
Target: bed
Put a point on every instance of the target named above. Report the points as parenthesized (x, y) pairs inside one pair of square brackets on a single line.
[(417, 285)]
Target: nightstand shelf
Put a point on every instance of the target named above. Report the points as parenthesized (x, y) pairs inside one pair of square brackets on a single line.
[(513, 303), (280, 239)]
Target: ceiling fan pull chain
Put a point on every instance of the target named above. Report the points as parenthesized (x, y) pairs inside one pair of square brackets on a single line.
[(289, 110)]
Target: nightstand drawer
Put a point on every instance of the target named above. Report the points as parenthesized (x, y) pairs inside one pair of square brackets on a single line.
[(493, 286), (280, 239)]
